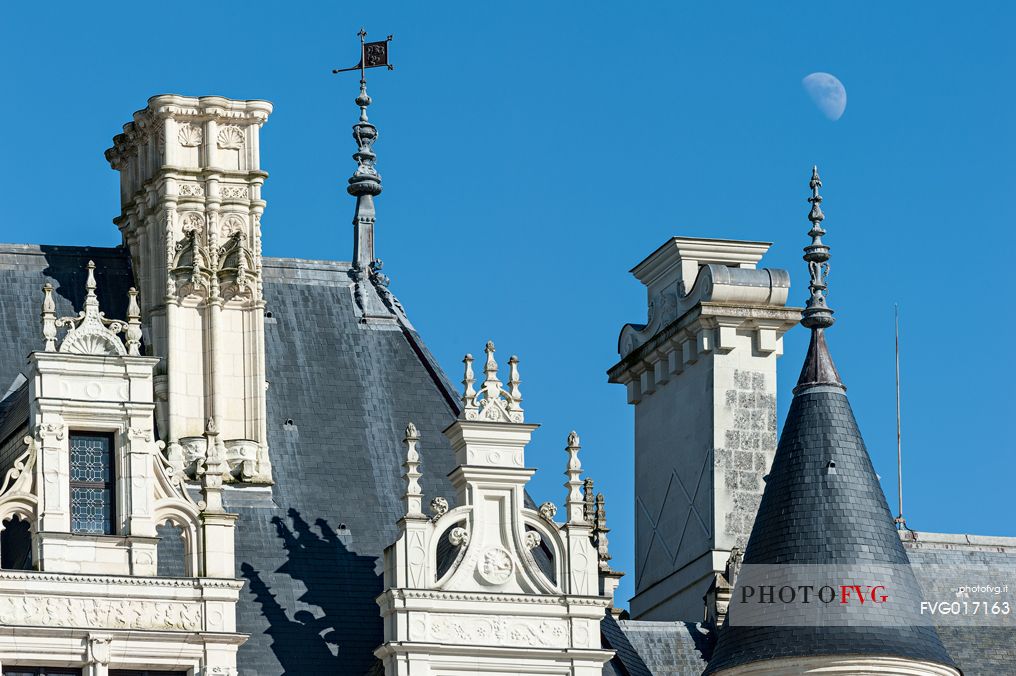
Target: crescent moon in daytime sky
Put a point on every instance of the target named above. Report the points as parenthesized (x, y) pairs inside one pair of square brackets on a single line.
[(828, 93)]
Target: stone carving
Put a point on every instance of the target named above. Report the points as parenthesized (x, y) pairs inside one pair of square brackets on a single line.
[(133, 330), (189, 135), (496, 565), (193, 222), (438, 507), (574, 502), (55, 611), (191, 190), (458, 536), (548, 511), (533, 539), (230, 137), (234, 192), (98, 648), (232, 224), (90, 332), (492, 403), (500, 631), (411, 465), (48, 318)]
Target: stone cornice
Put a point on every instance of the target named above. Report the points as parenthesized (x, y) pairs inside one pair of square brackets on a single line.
[(132, 581), (532, 599), (780, 318)]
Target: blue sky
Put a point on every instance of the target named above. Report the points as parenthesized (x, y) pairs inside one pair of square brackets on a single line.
[(533, 152)]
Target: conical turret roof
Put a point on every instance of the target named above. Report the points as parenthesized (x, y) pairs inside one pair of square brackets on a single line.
[(823, 505)]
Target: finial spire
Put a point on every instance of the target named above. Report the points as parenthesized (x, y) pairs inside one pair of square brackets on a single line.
[(493, 402), (365, 183), (411, 465), (48, 318), (575, 506), (133, 331), (817, 316), (600, 531)]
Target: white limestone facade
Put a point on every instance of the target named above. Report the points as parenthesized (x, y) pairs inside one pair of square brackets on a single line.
[(92, 485), (491, 586), (190, 194), (701, 374)]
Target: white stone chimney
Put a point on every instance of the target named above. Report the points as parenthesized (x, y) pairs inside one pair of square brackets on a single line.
[(190, 194), (701, 374)]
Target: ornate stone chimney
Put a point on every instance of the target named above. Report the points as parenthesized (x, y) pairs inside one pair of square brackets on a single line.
[(701, 374), (190, 195)]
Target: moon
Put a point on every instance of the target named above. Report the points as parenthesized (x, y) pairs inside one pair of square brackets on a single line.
[(828, 93)]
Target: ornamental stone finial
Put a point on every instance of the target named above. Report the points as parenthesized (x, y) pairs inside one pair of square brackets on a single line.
[(469, 393), (48, 318), (133, 332), (493, 403), (600, 531), (817, 315), (89, 332), (589, 499), (574, 502), (514, 393), (414, 494), (90, 285)]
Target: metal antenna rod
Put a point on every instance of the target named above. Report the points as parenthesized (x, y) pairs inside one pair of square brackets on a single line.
[(901, 523)]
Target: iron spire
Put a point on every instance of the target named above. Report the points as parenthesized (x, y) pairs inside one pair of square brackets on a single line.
[(817, 316)]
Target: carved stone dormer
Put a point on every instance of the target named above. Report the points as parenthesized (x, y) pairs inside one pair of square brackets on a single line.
[(191, 207), (100, 501), (503, 588), (91, 402)]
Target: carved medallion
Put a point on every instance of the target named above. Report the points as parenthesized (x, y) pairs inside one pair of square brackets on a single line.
[(495, 565)]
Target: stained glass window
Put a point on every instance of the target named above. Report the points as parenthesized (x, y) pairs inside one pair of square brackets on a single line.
[(92, 475)]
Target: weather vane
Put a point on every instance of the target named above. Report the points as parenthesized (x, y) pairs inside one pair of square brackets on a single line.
[(372, 55)]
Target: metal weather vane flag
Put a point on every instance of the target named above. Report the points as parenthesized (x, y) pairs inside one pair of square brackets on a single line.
[(372, 55)]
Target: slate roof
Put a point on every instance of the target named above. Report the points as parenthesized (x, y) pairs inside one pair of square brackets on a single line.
[(310, 546), (942, 563), (809, 515), (652, 648)]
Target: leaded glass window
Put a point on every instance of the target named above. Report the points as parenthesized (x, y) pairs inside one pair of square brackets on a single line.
[(92, 477)]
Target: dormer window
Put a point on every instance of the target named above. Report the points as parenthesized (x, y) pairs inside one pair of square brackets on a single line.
[(93, 501)]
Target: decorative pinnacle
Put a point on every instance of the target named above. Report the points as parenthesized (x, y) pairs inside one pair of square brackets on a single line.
[(411, 465), (468, 393), (574, 502), (133, 332), (589, 497), (90, 285), (817, 315), (600, 531), (48, 318)]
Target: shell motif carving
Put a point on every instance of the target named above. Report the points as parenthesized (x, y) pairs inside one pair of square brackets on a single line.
[(230, 137), (232, 224), (189, 135)]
